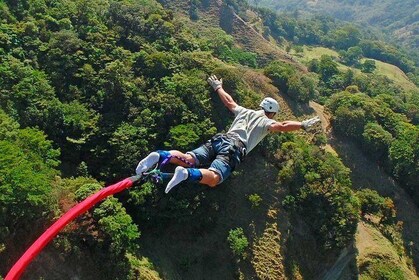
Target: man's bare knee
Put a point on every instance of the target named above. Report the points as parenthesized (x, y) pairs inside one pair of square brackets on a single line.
[(209, 178), (214, 180)]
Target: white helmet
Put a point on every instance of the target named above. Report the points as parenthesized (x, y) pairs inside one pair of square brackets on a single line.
[(269, 105)]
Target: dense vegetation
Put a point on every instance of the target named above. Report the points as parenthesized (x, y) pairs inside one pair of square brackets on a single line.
[(391, 19), (87, 88), (368, 108), (322, 30)]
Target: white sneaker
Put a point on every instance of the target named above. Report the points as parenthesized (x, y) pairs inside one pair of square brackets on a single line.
[(181, 174), (146, 163)]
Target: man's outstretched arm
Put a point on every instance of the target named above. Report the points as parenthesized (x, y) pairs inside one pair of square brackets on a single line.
[(217, 85), (292, 125)]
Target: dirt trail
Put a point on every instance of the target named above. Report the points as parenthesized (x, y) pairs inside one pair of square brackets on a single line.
[(365, 173)]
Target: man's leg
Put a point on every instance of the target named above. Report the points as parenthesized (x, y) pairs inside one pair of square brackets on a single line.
[(158, 156), (203, 176), (187, 157), (219, 171), (209, 178)]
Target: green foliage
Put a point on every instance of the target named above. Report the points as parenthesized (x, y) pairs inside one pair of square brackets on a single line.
[(403, 154), (25, 185), (129, 143), (119, 230), (26, 173), (345, 37), (182, 137), (352, 56), (376, 140), (332, 212), (368, 66), (108, 81), (384, 134), (374, 204), (392, 17), (301, 87), (282, 25), (379, 50), (239, 6), (86, 190), (236, 55), (350, 121), (319, 192), (255, 200), (381, 269), (111, 230), (141, 267), (327, 67), (280, 73), (238, 242)]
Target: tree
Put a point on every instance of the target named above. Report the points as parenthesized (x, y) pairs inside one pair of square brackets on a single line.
[(345, 37), (27, 170), (302, 88), (280, 73), (368, 66), (376, 141), (319, 192), (350, 122), (110, 229), (327, 67), (351, 56)]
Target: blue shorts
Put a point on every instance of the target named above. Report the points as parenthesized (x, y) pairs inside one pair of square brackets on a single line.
[(222, 154)]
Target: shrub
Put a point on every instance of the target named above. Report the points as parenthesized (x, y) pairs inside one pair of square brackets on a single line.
[(238, 242), (382, 270), (255, 200)]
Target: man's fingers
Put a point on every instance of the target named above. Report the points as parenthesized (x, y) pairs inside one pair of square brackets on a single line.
[(314, 120), (310, 122)]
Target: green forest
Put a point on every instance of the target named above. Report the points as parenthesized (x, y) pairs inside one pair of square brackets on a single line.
[(389, 20), (90, 87)]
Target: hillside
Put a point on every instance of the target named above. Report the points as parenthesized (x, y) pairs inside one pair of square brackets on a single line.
[(365, 174), (213, 13), (385, 69), (399, 19), (88, 88)]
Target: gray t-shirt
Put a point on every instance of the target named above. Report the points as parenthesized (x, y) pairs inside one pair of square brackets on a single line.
[(251, 126)]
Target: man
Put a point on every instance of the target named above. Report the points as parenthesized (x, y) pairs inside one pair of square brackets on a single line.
[(224, 151)]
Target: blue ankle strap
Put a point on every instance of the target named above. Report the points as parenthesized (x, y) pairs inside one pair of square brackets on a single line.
[(164, 155), (195, 174)]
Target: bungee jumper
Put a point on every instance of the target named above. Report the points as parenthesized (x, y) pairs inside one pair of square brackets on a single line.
[(213, 162)]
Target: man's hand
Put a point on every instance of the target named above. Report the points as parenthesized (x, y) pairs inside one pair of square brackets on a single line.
[(310, 122), (215, 83)]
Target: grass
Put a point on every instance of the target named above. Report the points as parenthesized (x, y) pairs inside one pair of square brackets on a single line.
[(372, 247), (310, 53), (392, 72), (267, 257)]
